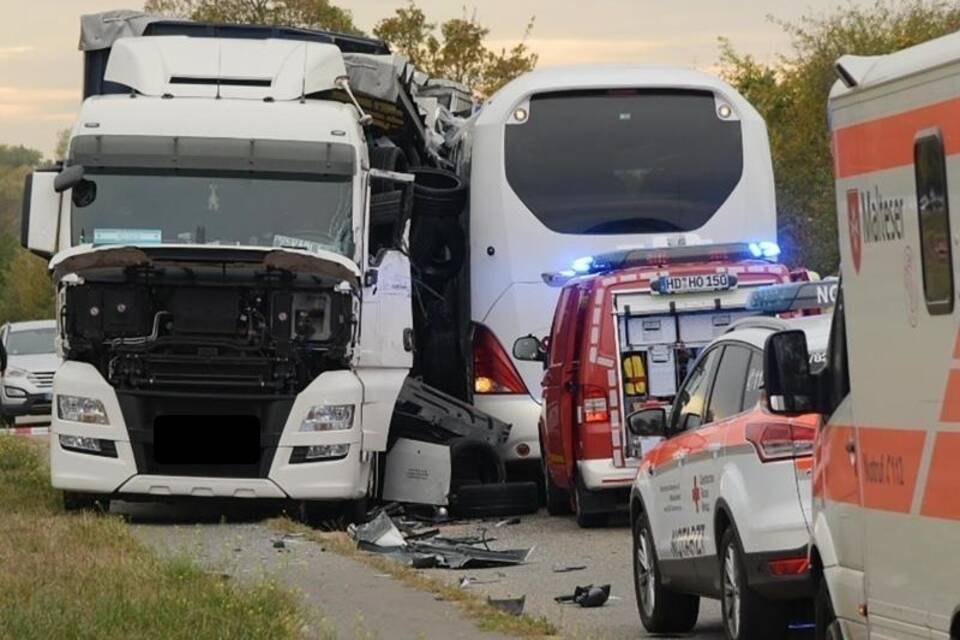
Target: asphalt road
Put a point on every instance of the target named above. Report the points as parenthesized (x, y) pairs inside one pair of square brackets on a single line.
[(235, 542)]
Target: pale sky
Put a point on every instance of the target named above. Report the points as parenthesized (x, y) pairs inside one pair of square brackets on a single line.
[(41, 68)]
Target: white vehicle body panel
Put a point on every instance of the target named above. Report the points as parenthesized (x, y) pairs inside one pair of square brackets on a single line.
[(908, 539)]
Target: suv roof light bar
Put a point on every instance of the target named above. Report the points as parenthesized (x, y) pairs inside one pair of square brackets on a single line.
[(796, 296)]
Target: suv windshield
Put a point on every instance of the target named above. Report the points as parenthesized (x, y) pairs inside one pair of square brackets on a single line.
[(29, 342), (219, 208), (624, 161)]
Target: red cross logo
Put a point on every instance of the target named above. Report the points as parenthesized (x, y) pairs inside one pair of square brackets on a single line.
[(853, 222), (696, 494)]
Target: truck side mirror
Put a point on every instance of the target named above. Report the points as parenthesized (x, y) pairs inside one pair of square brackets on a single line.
[(529, 348), (790, 387), (41, 213), (648, 422)]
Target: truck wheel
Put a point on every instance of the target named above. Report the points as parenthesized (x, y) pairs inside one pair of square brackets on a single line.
[(75, 501), (495, 500), (661, 610), (388, 159), (826, 625), (332, 516), (557, 499), (581, 501), (746, 615)]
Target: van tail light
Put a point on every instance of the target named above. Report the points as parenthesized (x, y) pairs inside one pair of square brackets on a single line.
[(789, 567), (593, 404), (780, 440), (493, 370)]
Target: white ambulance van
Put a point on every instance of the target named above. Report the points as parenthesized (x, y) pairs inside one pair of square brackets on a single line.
[(886, 484)]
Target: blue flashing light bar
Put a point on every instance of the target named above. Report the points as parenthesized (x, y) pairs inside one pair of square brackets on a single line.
[(764, 249), (582, 265), (795, 296)]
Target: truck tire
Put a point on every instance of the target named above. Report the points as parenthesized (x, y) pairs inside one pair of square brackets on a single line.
[(746, 614), (333, 516), (438, 193), (581, 500), (388, 159), (92, 502), (495, 500), (474, 462), (661, 610)]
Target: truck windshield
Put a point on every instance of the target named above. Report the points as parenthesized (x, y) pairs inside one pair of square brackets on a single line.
[(623, 161), (222, 208), (31, 342)]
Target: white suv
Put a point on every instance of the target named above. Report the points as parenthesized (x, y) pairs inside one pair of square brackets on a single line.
[(721, 507), (28, 360)]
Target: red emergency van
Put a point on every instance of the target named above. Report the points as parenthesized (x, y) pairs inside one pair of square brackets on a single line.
[(625, 330)]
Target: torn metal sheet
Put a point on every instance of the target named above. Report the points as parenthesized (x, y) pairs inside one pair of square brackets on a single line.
[(380, 533), (464, 556)]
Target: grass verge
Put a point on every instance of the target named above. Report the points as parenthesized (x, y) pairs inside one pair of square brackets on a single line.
[(484, 616), (86, 576)]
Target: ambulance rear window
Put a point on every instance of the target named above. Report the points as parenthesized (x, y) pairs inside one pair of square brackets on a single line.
[(623, 161)]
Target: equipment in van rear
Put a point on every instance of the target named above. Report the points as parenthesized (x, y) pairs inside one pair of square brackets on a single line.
[(627, 327)]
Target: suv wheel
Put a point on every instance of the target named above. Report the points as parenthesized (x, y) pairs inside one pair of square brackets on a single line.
[(746, 615), (661, 610)]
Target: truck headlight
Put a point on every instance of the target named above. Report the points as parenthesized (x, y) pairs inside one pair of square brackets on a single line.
[(81, 409), (328, 417)]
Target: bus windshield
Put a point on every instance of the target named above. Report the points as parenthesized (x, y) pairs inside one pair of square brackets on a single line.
[(624, 161)]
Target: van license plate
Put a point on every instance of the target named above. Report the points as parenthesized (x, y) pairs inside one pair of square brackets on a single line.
[(694, 283)]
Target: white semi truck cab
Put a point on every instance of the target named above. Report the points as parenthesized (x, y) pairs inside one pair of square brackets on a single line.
[(228, 329)]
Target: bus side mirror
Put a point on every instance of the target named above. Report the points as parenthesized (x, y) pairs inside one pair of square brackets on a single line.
[(789, 386), (40, 214), (530, 349), (648, 422)]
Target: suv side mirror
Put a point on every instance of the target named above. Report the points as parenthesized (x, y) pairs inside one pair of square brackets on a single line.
[(648, 422), (790, 387), (3, 358), (530, 349)]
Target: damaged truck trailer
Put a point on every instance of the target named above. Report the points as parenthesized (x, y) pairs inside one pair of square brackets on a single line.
[(228, 239)]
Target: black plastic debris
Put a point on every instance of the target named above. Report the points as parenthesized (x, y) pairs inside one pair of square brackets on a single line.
[(587, 597), (513, 606)]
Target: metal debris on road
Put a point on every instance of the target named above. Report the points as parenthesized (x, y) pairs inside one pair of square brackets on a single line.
[(568, 569), (424, 548)]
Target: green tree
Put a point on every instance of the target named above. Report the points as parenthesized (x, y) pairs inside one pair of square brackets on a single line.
[(459, 53), (25, 288), (791, 93), (312, 14)]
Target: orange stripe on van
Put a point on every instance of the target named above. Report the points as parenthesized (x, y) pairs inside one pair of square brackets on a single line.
[(890, 463), (956, 347), (941, 499), (886, 143), (950, 411)]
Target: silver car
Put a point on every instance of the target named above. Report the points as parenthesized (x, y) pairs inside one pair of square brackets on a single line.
[(28, 360)]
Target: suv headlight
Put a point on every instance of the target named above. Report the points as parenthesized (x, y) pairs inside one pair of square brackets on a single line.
[(81, 409), (15, 372), (328, 417)]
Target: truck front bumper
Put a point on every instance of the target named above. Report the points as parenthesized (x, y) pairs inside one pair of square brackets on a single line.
[(281, 473)]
